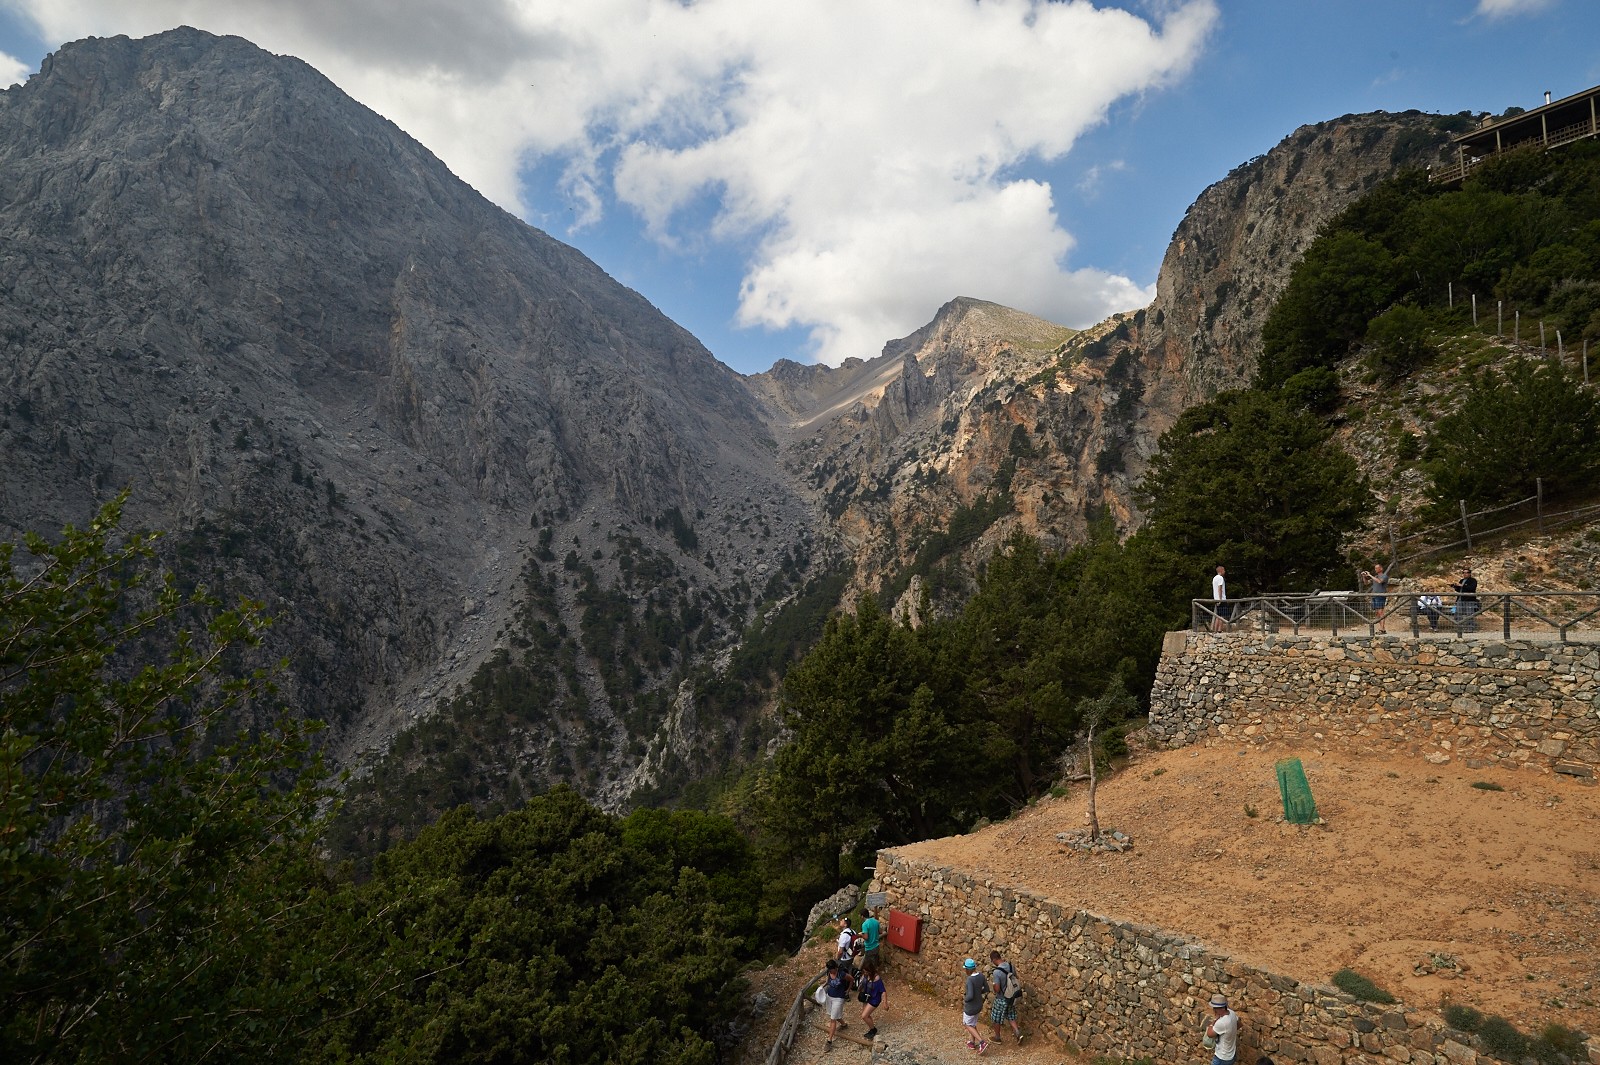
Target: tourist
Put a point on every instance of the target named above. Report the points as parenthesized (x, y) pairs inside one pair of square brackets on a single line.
[(1224, 1028), (1005, 984), (1466, 600), (872, 993), (871, 940), (1431, 607), (973, 992), (1219, 592), (846, 942), (837, 988), (1379, 579)]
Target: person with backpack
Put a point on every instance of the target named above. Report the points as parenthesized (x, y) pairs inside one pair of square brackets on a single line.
[(973, 992), (1006, 990), (872, 994), (836, 988), (848, 943)]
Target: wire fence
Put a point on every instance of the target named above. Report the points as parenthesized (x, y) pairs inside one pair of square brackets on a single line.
[(1568, 616)]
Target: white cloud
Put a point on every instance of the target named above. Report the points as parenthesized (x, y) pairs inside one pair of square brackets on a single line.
[(1497, 9), (13, 71), (874, 153)]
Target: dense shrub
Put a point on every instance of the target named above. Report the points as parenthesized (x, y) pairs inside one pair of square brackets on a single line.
[(1463, 1018), (1502, 1039), (1353, 983), (1399, 341)]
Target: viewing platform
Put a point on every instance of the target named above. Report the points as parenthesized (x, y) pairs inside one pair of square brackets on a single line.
[(1564, 616), (1572, 118)]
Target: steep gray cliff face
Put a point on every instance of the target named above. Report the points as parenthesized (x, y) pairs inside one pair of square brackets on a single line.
[(344, 381)]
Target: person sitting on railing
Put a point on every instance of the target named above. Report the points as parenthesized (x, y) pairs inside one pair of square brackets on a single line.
[(1431, 607)]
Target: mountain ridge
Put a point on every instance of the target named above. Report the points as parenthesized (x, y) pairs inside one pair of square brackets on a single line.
[(436, 441)]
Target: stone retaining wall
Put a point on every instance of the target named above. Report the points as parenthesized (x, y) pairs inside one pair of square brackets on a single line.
[(1128, 991), (1516, 703)]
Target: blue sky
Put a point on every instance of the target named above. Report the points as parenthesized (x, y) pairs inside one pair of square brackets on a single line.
[(811, 179)]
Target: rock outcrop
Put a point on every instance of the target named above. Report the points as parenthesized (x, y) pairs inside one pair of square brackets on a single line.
[(346, 383)]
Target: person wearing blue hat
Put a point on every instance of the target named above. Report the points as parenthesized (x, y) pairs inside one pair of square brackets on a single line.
[(974, 991)]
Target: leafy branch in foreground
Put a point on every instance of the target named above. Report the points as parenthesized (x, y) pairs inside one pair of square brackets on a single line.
[(155, 861)]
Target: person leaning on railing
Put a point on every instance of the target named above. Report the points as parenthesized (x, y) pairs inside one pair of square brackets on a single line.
[(1466, 590)]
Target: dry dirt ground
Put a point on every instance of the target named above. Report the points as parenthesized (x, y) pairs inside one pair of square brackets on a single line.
[(1412, 862)]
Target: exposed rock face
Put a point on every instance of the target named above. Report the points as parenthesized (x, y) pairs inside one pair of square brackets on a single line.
[(346, 382), (986, 402), (351, 387)]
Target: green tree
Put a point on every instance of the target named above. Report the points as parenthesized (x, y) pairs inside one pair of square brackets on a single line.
[(1249, 483), (1530, 419), (1011, 640), (553, 934), (875, 755), (158, 884), (1334, 290), (1399, 341)]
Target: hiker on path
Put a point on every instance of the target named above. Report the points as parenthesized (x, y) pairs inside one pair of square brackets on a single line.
[(1224, 1028), (1379, 579), (1005, 985), (847, 942), (872, 993), (871, 940), (837, 986), (973, 992)]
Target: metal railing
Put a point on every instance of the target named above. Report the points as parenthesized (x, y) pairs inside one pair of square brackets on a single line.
[(1568, 616)]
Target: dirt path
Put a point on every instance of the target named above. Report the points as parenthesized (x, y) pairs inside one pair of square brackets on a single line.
[(917, 1025)]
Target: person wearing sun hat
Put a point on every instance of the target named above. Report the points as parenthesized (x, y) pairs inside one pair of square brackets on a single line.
[(973, 992), (1224, 1028)]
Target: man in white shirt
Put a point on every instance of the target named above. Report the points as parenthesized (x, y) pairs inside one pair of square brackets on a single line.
[(847, 941), (1219, 592), (1224, 1028)]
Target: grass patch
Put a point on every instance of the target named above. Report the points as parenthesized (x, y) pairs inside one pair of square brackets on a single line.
[(1250, 811), (1463, 1018), (1487, 785), (1353, 983)]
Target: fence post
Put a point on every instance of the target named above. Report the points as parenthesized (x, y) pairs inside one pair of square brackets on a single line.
[(1474, 310), (1561, 349), (1538, 502), (1516, 327), (1450, 293), (1585, 360), (1499, 318), (1466, 530), (1505, 617), (1541, 335)]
